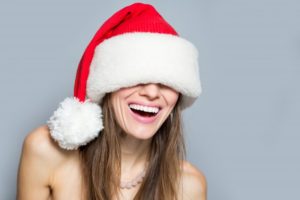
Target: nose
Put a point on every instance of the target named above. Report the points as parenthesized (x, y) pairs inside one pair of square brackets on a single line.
[(151, 90)]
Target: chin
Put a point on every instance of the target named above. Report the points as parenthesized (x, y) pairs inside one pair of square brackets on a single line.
[(141, 135)]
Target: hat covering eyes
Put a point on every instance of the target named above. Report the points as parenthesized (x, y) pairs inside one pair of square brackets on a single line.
[(135, 45)]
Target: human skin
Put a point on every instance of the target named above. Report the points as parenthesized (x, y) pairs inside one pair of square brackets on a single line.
[(135, 144), (48, 172), (150, 95)]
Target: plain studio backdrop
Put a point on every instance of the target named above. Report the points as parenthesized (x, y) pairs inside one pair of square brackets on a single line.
[(242, 132)]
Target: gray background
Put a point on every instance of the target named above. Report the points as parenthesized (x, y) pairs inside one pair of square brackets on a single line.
[(243, 131)]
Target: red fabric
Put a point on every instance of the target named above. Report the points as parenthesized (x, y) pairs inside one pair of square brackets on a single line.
[(137, 17)]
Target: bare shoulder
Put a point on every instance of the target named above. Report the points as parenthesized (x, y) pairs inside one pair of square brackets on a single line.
[(194, 182), (38, 140), (40, 161), (40, 144), (40, 150)]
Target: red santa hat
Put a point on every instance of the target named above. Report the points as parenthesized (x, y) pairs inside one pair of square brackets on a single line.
[(135, 45)]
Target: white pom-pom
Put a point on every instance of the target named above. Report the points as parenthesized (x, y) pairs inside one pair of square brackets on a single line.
[(75, 123)]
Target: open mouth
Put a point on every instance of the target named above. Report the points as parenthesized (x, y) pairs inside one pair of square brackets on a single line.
[(144, 111), (144, 114)]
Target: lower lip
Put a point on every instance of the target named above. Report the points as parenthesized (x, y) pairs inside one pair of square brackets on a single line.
[(141, 119)]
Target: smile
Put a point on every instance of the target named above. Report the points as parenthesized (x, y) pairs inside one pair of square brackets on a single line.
[(144, 114), (147, 109)]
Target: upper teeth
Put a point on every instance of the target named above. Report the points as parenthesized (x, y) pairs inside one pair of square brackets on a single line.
[(144, 108)]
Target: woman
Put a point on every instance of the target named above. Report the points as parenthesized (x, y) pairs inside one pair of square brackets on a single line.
[(120, 137)]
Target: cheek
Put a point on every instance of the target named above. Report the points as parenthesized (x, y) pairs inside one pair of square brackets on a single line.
[(172, 98), (118, 112)]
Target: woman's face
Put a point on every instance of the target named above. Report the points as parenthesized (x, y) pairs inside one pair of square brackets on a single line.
[(141, 110)]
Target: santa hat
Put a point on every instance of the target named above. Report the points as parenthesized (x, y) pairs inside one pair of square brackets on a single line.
[(135, 45)]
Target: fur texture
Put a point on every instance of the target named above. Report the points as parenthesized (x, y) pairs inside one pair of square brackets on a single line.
[(133, 58), (75, 123)]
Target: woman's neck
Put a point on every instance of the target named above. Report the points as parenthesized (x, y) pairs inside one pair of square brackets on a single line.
[(133, 156)]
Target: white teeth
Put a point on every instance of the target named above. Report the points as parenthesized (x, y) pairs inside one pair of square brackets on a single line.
[(144, 108)]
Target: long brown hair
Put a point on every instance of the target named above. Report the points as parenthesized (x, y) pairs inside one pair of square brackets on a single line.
[(101, 159)]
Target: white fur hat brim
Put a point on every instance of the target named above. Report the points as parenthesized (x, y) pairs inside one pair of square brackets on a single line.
[(132, 58)]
